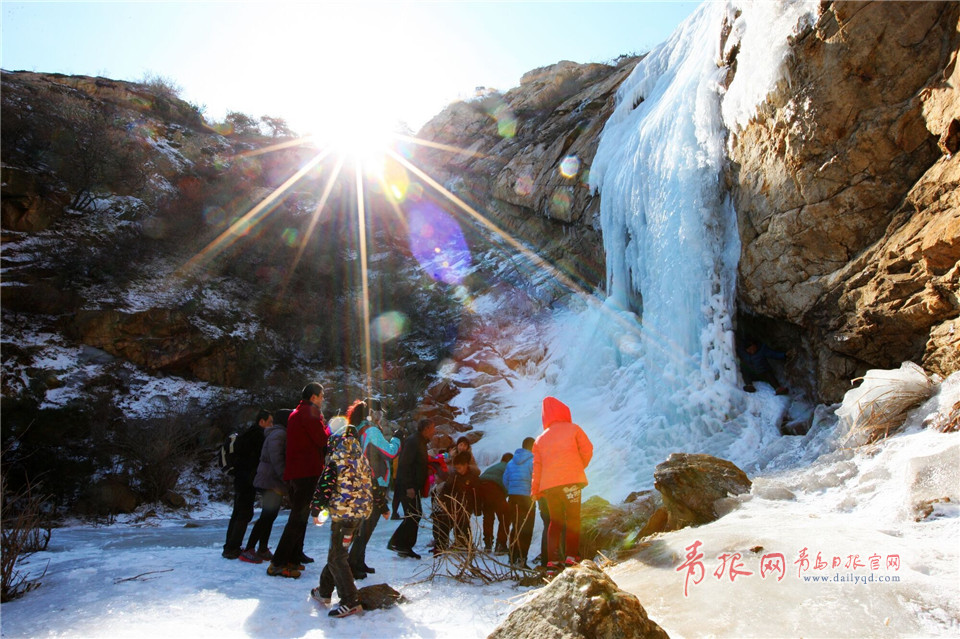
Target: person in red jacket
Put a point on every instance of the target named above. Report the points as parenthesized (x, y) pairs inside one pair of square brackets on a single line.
[(560, 458), (307, 434)]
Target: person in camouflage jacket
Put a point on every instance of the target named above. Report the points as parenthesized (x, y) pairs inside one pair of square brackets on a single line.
[(350, 502)]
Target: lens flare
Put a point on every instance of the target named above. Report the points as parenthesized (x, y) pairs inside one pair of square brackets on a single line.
[(524, 184), (289, 237), (437, 243), (389, 326), (560, 203), (570, 166)]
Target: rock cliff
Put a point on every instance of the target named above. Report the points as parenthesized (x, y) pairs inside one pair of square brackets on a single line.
[(845, 186)]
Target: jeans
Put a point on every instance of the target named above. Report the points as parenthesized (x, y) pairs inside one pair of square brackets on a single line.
[(337, 571), (243, 497), (290, 547), (270, 502)]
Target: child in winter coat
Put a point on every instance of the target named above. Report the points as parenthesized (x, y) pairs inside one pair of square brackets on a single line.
[(350, 502), (456, 502)]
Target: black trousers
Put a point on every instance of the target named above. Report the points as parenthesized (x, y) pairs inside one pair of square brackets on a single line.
[(521, 532), (405, 536), (244, 495), (270, 503), (290, 547)]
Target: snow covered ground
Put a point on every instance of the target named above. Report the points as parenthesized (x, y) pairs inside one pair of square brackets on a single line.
[(186, 589)]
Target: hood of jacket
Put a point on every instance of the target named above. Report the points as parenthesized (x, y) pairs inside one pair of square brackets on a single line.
[(522, 456), (554, 411)]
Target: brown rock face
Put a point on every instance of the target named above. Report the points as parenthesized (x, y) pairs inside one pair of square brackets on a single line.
[(848, 210), (164, 339), (580, 602), (524, 157), (691, 484)]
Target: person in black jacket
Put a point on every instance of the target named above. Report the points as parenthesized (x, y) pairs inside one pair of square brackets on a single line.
[(247, 456), (458, 500), (410, 483)]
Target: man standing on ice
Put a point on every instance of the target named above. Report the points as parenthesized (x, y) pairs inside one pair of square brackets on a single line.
[(560, 458), (307, 434), (411, 482)]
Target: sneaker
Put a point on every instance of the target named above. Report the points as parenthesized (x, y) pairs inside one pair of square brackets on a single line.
[(500, 550), (265, 554), (250, 556), (230, 554), (305, 560), (343, 610), (283, 571), (570, 561), (552, 569), (316, 596), (409, 553), (300, 567)]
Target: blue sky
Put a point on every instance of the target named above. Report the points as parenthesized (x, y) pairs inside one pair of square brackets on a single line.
[(322, 65)]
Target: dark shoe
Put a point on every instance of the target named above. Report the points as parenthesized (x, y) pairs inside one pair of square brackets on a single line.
[(250, 556), (408, 553), (750, 388), (395, 517), (265, 554), (392, 546), (283, 571), (487, 546), (344, 610), (230, 554), (316, 596), (305, 560), (358, 574), (367, 569)]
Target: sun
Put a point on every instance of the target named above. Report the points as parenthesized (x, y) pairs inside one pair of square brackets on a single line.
[(360, 133)]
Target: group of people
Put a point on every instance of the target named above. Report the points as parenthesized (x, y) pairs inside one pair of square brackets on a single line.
[(343, 471)]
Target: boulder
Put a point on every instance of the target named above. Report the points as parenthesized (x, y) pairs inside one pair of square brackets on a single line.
[(691, 484), (108, 496), (582, 601)]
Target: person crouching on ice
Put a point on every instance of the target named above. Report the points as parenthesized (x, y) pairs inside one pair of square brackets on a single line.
[(560, 458), (350, 503)]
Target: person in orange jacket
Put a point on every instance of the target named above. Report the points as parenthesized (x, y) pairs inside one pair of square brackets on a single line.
[(560, 457)]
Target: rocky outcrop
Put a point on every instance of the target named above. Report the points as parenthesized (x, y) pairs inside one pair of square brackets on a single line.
[(522, 159), (846, 191), (582, 601), (691, 485), (167, 340)]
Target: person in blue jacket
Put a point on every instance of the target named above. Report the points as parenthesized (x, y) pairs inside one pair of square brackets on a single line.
[(754, 359), (517, 477), (380, 454)]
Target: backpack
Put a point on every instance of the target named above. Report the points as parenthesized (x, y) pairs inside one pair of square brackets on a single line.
[(227, 454)]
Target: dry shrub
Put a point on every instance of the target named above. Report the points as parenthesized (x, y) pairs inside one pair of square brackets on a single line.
[(879, 407), (465, 560), (159, 449), (25, 531)]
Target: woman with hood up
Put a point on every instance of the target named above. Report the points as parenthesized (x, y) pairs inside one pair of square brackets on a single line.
[(560, 458), (351, 502)]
